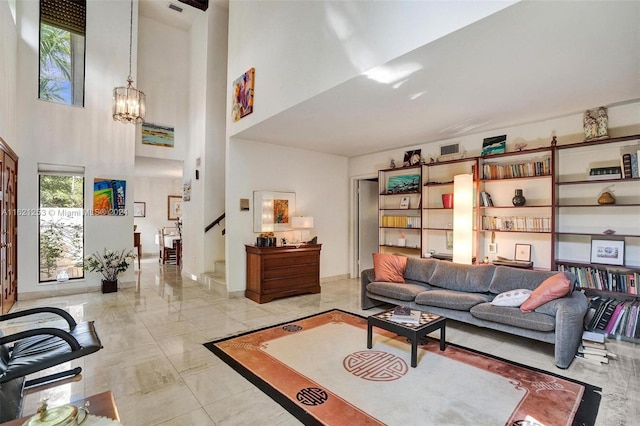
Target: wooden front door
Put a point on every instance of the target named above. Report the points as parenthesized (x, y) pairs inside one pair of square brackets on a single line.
[(8, 227)]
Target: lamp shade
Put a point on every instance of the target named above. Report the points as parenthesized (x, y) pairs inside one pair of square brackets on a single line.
[(463, 219), (302, 222)]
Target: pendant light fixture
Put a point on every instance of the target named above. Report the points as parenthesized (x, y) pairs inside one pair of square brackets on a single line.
[(129, 102)]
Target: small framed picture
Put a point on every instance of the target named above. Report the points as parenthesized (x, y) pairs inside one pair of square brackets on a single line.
[(174, 207), (404, 203), (523, 253), (139, 209), (449, 240), (411, 158), (610, 252)]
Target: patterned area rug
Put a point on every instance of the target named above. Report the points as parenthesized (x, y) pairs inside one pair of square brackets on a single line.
[(320, 370)]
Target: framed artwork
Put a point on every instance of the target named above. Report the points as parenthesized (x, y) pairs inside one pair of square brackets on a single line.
[(523, 253), (404, 203), (174, 206), (610, 252), (157, 135), (109, 197), (402, 184), (272, 211), (139, 209), (494, 145), (243, 95), (411, 158)]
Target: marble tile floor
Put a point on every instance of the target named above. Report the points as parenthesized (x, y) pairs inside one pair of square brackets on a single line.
[(160, 374)]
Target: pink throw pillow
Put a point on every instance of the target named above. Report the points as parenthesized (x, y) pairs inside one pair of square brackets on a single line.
[(389, 268), (552, 288)]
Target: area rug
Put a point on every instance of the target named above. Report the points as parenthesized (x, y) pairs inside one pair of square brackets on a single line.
[(320, 370)]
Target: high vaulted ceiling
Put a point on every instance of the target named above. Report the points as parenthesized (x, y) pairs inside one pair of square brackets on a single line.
[(529, 62)]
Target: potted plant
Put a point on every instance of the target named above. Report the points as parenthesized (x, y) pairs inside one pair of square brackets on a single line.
[(109, 264)]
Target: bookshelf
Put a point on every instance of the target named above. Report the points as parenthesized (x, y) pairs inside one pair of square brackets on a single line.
[(399, 210), (501, 223), (582, 224), (437, 219)]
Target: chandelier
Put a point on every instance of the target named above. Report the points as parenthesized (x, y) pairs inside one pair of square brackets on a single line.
[(129, 102)]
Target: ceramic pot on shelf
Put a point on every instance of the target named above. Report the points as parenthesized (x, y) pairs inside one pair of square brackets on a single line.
[(519, 200)]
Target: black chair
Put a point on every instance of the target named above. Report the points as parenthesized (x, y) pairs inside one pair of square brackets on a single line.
[(30, 351)]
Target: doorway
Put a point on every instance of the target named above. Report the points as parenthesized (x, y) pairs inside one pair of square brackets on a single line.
[(367, 226)]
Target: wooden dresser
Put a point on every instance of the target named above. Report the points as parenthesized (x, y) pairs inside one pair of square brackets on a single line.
[(274, 272)]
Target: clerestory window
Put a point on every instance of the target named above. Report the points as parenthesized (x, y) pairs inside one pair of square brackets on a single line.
[(62, 51)]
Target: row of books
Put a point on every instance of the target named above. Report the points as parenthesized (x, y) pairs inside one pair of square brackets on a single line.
[(601, 278), (516, 223), (629, 161), (613, 316), (400, 221), (540, 167)]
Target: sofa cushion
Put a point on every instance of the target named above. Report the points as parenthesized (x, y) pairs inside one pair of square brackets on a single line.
[(469, 278), (506, 278), (404, 292), (458, 300), (389, 268), (513, 298), (513, 316), (552, 288), (419, 270)]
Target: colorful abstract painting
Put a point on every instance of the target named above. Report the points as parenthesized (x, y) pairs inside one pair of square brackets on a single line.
[(109, 196), (243, 95), (157, 135), (281, 211)]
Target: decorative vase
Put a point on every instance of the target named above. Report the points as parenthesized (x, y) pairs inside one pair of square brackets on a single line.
[(109, 286), (606, 198), (447, 201), (519, 199)]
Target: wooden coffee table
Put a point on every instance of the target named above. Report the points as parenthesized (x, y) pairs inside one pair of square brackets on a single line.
[(428, 323)]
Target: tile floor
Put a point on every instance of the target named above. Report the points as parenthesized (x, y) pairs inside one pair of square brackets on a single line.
[(160, 374)]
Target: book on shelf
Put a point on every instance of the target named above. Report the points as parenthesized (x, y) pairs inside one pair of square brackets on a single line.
[(589, 360), (594, 358), (486, 199), (629, 161), (626, 166), (590, 336)]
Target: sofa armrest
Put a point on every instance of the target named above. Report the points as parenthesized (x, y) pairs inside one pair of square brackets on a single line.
[(569, 313), (367, 276)]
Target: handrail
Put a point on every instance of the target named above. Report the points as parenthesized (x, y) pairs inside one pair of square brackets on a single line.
[(214, 223)]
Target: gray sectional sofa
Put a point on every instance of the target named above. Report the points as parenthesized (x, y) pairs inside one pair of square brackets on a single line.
[(464, 293)]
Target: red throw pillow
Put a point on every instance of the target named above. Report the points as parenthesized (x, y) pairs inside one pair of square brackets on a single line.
[(552, 288), (389, 268)]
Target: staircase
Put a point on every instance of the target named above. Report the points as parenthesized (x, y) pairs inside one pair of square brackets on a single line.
[(215, 278)]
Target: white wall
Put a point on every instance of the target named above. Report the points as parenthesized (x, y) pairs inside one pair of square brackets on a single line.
[(321, 186), (154, 192), (163, 76), (75, 136), (8, 57), (300, 49)]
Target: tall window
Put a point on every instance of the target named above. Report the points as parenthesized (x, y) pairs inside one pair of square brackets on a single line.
[(61, 225), (62, 47)]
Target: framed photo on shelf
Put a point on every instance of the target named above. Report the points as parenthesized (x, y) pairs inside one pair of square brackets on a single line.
[(449, 235), (404, 203), (523, 253), (411, 158), (139, 209), (174, 207), (610, 252)]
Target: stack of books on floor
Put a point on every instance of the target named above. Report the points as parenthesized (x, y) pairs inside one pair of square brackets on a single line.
[(406, 315), (593, 349)]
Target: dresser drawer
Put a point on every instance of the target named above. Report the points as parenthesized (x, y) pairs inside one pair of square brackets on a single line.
[(292, 271), (291, 260)]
